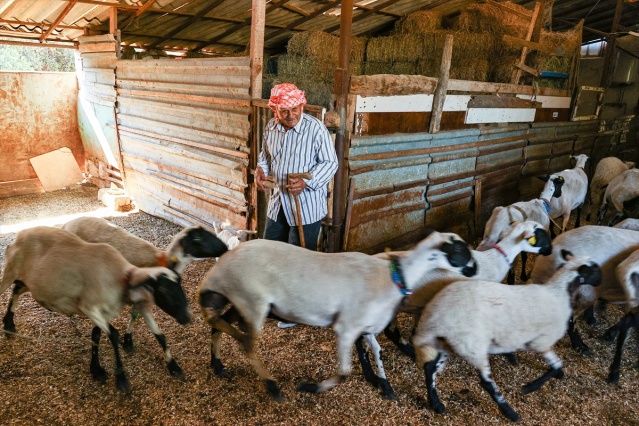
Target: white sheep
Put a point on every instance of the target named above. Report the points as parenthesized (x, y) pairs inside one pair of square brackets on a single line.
[(189, 244), (627, 274), (632, 224), (354, 293), (502, 218), (606, 246), (607, 169), (571, 187), (492, 265), (68, 275), (623, 194), (478, 318)]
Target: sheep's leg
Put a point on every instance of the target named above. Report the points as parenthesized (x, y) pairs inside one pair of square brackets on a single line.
[(271, 385), (97, 371), (578, 220), (602, 213), (387, 390), (552, 230), (575, 339), (524, 261), (171, 364), (230, 316), (121, 380), (555, 372), (510, 278), (127, 341), (393, 334), (432, 362), (9, 326), (345, 340), (615, 218), (489, 385), (615, 367), (367, 369), (589, 316), (611, 334)]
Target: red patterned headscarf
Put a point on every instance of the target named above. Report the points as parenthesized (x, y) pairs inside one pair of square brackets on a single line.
[(286, 95)]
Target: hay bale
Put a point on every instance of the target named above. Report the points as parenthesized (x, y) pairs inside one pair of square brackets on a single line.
[(420, 22), (502, 70), (324, 46), (481, 18), (470, 69), (377, 67), (568, 41), (396, 48), (318, 69), (471, 47), (404, 68)]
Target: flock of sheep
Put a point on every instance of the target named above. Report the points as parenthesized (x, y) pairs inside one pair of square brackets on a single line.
[(453, 292)]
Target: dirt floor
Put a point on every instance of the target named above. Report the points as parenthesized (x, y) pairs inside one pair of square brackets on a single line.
[(44, 373)]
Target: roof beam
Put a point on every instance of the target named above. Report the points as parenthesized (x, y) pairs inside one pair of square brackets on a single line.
[(188, 22), (380, 12), (106, 3), (30, 44), (189, 40), (39, 24), (272, 6), (592, 30), (330, 5), (139, 12), (364, 14), (59, 19)]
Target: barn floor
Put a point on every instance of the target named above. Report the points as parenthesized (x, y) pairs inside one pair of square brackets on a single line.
[(44, 373)]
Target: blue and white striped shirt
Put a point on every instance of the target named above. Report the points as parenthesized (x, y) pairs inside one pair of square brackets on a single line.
[(307, 147)]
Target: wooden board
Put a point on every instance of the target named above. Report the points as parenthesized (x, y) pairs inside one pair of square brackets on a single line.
[(56, 169)]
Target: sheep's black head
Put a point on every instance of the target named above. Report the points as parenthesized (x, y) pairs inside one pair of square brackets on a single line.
[(199, 243), (459, 255), (588, 273), (169, 295), (543, 241)]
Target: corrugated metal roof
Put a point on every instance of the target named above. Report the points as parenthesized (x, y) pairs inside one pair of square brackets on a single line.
[(223, 25)]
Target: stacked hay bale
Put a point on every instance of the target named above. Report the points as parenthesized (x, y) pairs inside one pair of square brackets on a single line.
[(310, 63)]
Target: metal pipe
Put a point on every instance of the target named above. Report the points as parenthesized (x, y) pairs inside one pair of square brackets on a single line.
[(341, 90)]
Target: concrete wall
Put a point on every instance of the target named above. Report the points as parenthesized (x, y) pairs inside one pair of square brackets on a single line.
[(39, 114)]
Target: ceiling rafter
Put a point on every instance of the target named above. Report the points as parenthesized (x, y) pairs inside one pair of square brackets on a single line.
[(41, 25), (364, 14), (188, 22), (106, 3), (330, 5), (139, 12), (59, 19)]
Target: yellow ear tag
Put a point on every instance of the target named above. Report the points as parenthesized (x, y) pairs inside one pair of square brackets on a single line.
[(174, 259), (532, 241)]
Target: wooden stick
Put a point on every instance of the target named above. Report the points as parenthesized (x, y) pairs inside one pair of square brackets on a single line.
[(298, 207)]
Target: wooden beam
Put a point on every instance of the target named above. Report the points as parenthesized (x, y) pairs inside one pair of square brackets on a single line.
[(113, 21), (29, 44), (137, 13), (531, 45), (123, 6), (442, 85), (187, 23), (609, 63), (59, 19), (364, 14), (330, 5), (528, 69), (524, 51), (256, 52)]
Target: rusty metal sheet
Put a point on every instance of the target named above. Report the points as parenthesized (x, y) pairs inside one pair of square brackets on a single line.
[(36, 120)]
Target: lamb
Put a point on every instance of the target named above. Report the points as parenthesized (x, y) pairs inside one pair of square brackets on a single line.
[(632, 224), (189, 244), (571, 187), (607, 169), (623, 194), (354, 293), (233, 238), (493, 265), (68, 275), (606, 246), (627, 274), (502, 218), (478, 318)]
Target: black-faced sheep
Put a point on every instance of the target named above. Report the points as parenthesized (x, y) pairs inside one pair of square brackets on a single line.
[(478, 318), (354, 293), (68, 275)]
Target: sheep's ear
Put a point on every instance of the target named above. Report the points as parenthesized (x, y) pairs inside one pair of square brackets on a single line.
[(566, 254)]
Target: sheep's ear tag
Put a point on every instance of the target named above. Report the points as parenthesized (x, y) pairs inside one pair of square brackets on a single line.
[(532, 240), (174, 260)]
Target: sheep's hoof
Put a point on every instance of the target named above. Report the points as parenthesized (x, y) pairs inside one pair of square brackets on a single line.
[(387, 390), (99, 374), (309, 387), (582, 349), (127, 343), (122, 384), (274, 390), (438, 407), (9, 326), (512, 358), (507, 411), (613, 377), (218, 368), (611, 334), (175, 370)]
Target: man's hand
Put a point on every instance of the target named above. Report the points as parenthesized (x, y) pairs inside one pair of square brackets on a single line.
[(259, 179), (296, 185)]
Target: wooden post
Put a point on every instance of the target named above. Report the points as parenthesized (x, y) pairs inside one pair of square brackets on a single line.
[(113, 30), (609, 63), (256, 52), (342, 74), (442, 85), (524, 51)]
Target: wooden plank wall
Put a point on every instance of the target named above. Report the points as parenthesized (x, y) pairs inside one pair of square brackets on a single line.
[(402, 184), (184, 131)]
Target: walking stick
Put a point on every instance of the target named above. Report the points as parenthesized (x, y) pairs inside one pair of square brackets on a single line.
[(298, 208)]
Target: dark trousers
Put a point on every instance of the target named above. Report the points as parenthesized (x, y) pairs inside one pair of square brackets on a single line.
[(280, 230)]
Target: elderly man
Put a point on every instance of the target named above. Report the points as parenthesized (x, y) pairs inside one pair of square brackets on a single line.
[(295, 142)]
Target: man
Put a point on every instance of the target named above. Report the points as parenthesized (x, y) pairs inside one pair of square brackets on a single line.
[(295, 142)]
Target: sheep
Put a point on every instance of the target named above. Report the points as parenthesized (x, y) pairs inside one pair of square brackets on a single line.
[(632, 224), (492, 265), (354, 293), (571, 187), (627, 274), (478, 318), (68, 275), (502, 218), (189, 244), (623, 194), (607, 169), (233, 238), (608, 247)]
